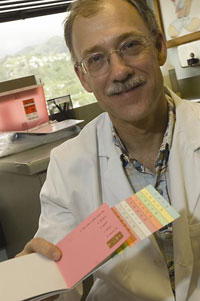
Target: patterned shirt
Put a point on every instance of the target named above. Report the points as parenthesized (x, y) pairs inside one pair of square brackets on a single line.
[(139, 176)]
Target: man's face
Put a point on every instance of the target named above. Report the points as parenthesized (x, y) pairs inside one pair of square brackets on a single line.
[(130, 90)]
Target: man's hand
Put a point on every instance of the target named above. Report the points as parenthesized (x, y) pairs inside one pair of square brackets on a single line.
[(45, 248)]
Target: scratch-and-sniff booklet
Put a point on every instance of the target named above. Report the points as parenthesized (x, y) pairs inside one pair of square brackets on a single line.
[(103, 234)]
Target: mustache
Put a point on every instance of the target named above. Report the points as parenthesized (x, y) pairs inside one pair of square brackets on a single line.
[(127, 85)]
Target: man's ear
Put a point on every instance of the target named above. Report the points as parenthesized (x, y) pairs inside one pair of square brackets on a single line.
[(161, 49), (83, 77)]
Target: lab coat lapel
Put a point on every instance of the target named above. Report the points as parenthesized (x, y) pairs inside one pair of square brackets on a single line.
[(116, 183), (184, 161), (184, 193), (116, 186), (183, 256)]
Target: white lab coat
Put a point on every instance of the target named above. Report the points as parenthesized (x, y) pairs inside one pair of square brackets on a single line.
[(86, 171)]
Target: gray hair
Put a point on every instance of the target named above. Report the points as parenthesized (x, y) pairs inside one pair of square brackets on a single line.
[(87, 8)]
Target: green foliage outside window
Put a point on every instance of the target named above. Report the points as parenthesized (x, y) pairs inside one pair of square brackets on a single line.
[(51, 63)]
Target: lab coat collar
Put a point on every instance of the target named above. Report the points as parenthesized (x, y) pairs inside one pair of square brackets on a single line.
[(187, 120)]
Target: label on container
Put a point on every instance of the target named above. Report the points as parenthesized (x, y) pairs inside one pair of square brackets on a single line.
[(30, 109)]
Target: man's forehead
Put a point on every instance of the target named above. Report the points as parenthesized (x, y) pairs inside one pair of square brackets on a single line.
[(113, 19)]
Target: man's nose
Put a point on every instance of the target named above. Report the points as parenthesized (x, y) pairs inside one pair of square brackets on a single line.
[(119, 68)]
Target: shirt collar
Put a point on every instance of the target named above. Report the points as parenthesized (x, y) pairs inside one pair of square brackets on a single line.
[(163, 155)]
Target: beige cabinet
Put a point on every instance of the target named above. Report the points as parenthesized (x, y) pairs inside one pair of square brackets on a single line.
[(21, 178)]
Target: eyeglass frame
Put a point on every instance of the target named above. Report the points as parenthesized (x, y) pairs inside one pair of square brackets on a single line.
[(85, 70)]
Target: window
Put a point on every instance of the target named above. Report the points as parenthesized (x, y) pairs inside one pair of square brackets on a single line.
[(36, 46)]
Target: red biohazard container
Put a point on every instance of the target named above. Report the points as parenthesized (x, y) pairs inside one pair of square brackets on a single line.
[(22, 106)]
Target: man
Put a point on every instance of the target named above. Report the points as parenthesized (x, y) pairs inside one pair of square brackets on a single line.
[(147, 136)]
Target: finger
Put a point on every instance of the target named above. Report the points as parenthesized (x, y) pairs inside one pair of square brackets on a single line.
[(42, 247)]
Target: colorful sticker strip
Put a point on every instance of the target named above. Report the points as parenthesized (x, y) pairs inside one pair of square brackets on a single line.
[(144, 213)]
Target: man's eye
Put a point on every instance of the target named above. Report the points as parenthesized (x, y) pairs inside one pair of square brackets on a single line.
[(131, 45), (95, 59)]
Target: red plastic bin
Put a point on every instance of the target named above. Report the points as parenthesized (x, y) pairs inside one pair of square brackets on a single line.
[(23, 109)]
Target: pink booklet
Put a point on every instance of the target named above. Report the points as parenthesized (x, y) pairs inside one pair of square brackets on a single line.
[(102, 235), (90, 243), (110, 230)]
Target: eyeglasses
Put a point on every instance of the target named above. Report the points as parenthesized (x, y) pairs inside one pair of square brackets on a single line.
[(99, 63)]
